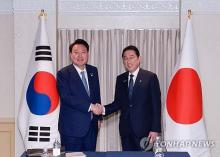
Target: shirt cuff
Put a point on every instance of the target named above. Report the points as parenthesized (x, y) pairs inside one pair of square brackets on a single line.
[(103, 112), (89, 110)]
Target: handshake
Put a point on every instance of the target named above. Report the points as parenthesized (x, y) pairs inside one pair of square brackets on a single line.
[(97, 109)]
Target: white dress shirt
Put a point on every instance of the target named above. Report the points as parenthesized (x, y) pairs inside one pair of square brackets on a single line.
[(86, 76), (85, 72), (135, 73)]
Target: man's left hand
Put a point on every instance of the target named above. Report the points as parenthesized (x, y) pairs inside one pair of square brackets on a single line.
[(152, 135)]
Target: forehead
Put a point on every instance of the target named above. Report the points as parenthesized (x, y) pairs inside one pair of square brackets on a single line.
[(79, 47), (128, 53)]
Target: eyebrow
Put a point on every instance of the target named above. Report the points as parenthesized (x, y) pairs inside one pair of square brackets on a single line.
[(130, 55)]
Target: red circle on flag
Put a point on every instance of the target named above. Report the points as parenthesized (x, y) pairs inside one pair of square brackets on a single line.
[(184, 98)]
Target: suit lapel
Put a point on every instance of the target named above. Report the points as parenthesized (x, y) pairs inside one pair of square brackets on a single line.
[(76, 78), (74, 74), (90, 80), (138, 83), (125, 84)]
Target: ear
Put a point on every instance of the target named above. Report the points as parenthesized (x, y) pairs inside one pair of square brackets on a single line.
[(88, 54), (140, 59), (70, 53)]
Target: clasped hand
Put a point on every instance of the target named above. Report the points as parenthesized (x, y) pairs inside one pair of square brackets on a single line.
[(97, 109)]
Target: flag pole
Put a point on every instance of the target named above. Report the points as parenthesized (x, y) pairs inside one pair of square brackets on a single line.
[(189, 13)]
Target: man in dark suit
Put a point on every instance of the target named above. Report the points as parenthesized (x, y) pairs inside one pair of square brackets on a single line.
[(137, 96), (78, 86)]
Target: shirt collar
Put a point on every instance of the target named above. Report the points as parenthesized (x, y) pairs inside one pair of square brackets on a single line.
[(135, 73), (78, 69)]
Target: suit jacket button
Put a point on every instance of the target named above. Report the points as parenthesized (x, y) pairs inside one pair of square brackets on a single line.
[(130, 105)]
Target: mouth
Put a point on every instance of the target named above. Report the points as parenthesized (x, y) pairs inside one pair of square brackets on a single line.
[(80, 60), (129, 66)]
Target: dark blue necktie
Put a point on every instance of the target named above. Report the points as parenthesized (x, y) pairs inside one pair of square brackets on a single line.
[(130, 86)]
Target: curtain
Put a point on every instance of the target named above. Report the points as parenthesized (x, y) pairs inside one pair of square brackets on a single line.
[(158, 48)]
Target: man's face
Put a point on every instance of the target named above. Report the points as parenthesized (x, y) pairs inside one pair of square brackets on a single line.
[(131, 60), (79, 55)]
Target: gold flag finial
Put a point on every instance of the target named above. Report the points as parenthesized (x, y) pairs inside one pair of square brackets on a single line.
[(189, 13), (42, 13)]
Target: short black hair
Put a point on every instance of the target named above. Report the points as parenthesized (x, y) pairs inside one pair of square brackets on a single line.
[(131, 47), (81, 42)]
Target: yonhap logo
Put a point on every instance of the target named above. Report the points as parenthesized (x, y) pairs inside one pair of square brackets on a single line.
[(145, 144)]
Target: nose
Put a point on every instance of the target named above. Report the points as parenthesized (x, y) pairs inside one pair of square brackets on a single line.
[(129, 61), (79, 54)]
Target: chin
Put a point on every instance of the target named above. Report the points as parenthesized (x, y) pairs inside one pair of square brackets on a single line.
[(130, 70)]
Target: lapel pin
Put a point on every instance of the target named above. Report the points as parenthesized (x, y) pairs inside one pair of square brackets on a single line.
[(140, 81), (91, 74)]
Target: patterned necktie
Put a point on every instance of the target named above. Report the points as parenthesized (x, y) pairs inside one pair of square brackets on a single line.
[(85, 82), (130, 86)]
